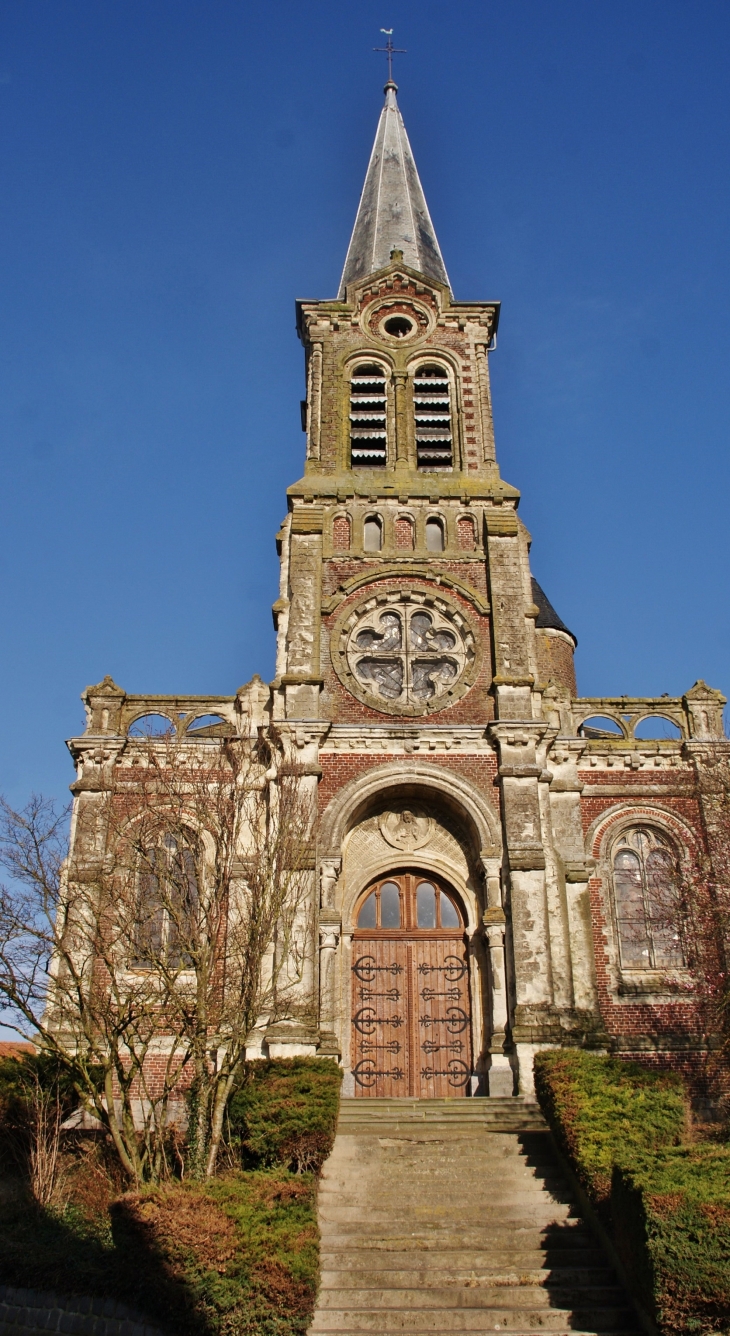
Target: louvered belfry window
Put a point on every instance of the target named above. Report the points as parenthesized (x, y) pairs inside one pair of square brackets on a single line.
[(368, 417), (432, 403)]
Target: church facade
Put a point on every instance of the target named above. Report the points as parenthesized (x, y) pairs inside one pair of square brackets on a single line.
[(491, 847)]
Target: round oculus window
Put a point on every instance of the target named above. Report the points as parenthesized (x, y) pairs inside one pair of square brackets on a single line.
[(406, 653), (398, 326)]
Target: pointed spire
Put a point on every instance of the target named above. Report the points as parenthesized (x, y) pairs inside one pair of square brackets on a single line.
[(392, 214)]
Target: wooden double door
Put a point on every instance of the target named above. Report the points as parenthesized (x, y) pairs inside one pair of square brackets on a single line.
[(411, 1010)]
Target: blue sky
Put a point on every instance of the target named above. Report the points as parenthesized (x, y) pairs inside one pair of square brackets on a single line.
[(174, 175)]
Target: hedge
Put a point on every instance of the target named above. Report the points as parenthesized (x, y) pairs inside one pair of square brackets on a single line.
[(666, 1205), (285, 1112), (604, 1112), (671, 1223), (238, 1256)]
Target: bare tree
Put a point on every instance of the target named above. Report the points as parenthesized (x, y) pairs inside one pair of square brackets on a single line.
[(181, 923)]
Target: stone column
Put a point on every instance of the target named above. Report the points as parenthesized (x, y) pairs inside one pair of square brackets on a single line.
[(568, 840), (535, 1022), (402, 434), (485, 404), (314, 402), (302, 680), (329, 938)]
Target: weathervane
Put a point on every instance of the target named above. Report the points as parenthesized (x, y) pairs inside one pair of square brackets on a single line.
[(389, 50)]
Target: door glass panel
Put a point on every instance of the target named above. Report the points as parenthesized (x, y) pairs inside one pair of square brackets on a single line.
[(449, 916), (389, 905), (426, 905), (366, 917)]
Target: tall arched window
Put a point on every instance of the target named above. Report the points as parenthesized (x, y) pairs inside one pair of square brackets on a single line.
[(167, 904), (647, 900), (368, 417), (432, 410), (434, 535), (372, 533)]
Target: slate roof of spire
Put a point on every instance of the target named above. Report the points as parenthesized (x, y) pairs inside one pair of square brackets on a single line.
[(547, 616), (392, 214)]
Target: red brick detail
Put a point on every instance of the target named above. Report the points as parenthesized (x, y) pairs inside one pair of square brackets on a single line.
[(341, 533), (465, 533), (404, 533), (555, 661), (338, 768)]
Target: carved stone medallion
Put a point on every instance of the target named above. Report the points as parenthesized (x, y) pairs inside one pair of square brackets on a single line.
[(405, 651), (406, 830)]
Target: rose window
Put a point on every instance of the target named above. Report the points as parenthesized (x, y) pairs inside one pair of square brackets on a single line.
[(408, 656)]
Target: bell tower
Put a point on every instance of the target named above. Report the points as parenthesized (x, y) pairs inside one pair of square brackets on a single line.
[(408, 622), (401, 479)]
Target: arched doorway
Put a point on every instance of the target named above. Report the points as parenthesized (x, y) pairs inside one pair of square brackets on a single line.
[(411, 1011)]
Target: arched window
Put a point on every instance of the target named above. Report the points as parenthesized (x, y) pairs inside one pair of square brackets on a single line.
[(434, 535), (646, 896), (372, 533), (167, 904), (368, 417), (432, 411), (410, 902)]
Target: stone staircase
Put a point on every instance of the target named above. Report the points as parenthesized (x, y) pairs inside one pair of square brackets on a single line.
[(453, 1216)]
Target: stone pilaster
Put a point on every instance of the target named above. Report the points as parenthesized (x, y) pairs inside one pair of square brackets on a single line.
[(302, 678)]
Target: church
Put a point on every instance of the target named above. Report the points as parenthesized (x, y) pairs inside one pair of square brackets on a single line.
[(492, 848)]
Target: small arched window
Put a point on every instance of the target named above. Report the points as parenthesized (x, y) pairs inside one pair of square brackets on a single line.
[(372, 533), (432, 411), (647, 901), (167, 904), (368, 417), (434, 535)]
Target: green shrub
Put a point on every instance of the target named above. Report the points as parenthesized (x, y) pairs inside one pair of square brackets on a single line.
[(285, 1112), (671, 1222), (604, 1112), (666, 1205), (235, 1257)]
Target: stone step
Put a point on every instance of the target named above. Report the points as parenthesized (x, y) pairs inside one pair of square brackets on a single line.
[(487, 1330), (572, 1266), (350, 1234), (409, 1289), (515, 1213), (447, 1225), (509, 1114), (558, 1286), (519, 1189), (469, 1318)]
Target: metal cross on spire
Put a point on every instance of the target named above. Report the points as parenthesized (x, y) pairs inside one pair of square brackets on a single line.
[(389, 50)]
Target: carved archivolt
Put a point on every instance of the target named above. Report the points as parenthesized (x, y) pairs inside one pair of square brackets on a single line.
[(409, 781), (405, 651)]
